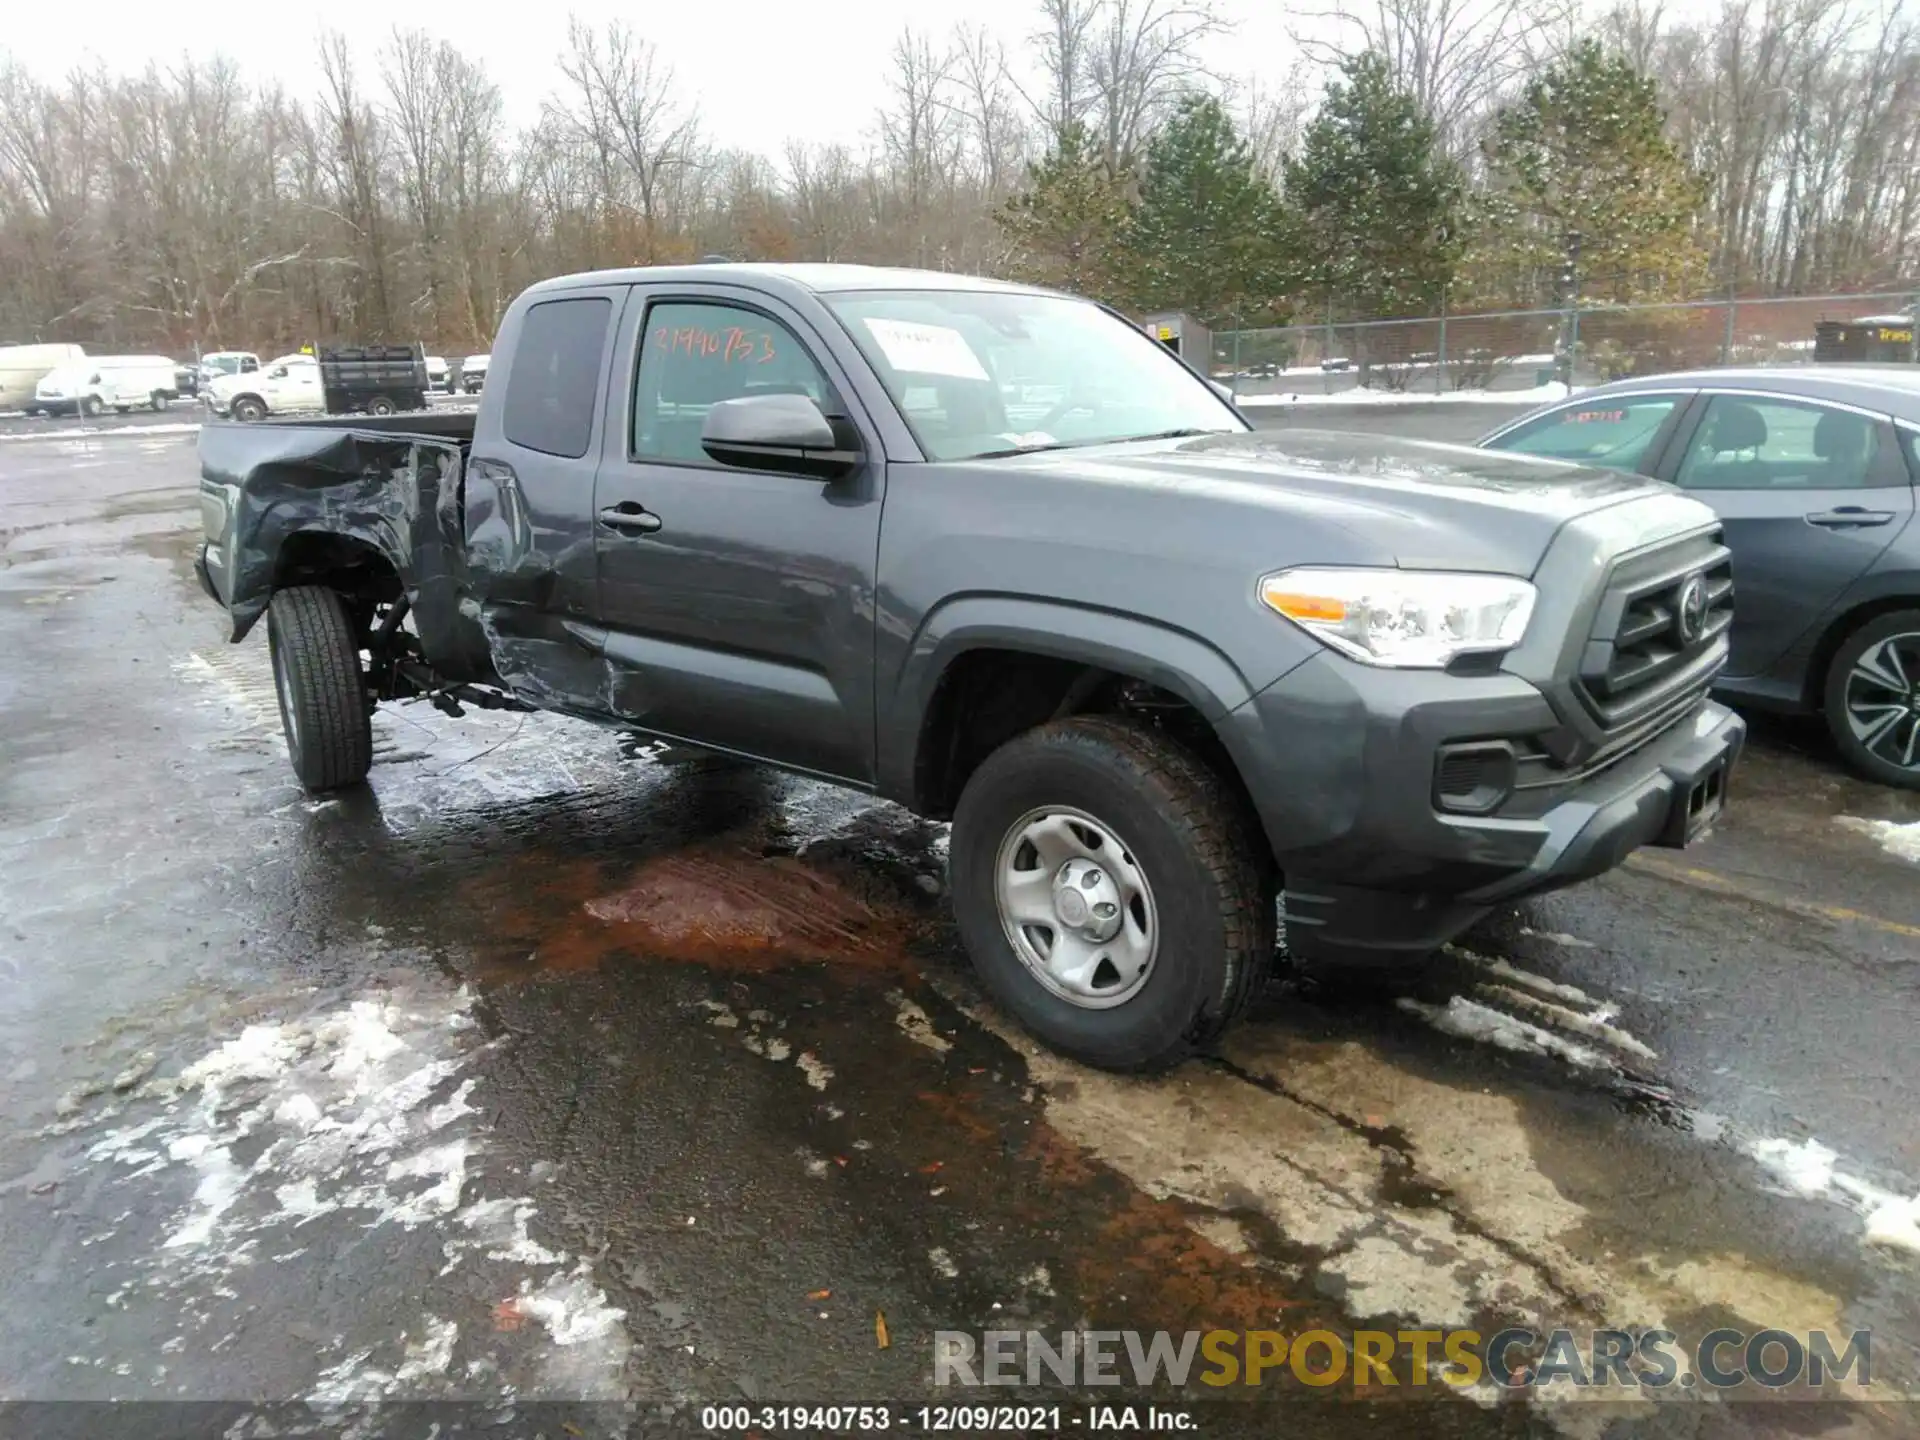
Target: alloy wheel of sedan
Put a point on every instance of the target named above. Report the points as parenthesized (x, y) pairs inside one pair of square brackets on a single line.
[(1883, 700)]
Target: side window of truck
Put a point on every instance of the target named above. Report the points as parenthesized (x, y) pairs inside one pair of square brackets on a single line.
[(694, 355), (556, 376)]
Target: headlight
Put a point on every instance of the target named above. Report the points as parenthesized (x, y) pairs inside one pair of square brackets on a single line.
[(1410, 619)]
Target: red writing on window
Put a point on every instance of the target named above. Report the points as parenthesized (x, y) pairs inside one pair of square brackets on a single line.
[(1586, 417), (731, 346)]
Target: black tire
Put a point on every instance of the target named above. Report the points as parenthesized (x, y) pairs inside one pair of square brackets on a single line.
[(323, 695), (158, 400), (93, 407), (380, 405), (1189, 834), (247, 410), (1888, 760)]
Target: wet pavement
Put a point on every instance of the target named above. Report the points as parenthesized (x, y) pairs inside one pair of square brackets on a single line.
[(552, 1066)]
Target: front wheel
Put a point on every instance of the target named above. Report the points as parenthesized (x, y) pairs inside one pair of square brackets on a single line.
[(1872, 699), (158, 401), (379, 405), (1112, 892), (248, 410), (323, 694), (93, 407)]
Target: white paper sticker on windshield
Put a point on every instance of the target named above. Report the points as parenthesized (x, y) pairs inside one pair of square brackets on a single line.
[(926, 349)]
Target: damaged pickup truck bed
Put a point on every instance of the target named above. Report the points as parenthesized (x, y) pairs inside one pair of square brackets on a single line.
[(997, 555)]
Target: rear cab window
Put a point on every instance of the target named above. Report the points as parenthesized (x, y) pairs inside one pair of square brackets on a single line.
[(1615, 432), (555, 380)]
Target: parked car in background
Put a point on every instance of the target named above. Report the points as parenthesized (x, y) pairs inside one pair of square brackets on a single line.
[(473, 373), (106, 382), (23, 366), (1812, 472), (439, 373), (289, 384), (226, 362)]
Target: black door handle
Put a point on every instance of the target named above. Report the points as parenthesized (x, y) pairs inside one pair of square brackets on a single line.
[(630, 515), (1848, 516)]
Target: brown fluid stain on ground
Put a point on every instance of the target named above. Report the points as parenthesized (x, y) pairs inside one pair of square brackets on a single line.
[(727, 907), (1123, 1256)]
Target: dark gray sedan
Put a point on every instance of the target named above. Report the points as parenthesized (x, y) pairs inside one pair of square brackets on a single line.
[(1813, 472)]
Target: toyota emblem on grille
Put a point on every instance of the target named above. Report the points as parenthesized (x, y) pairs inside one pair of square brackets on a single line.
[(1690, 611)]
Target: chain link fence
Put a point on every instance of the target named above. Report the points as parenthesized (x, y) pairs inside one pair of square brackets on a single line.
[(1524, 351)]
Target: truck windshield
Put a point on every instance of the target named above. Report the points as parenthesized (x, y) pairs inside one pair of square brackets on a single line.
[(982, 373)]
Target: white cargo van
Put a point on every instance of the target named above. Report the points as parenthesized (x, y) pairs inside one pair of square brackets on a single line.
[(22, 366), (93, 385)]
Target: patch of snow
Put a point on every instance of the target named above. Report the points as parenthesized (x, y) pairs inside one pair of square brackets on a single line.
[(92, 431), (1526, 979), (917, 1024), (359, 1112), (943, 1264), (1597, 1026), (1902, 841), (1469, 1020), (1533, 395), (1805, 1167), (572, 1308), (1894, 1221), (353, 1380), (1808, 1168), (817, 1071), (431, 1353), (1554, 937)]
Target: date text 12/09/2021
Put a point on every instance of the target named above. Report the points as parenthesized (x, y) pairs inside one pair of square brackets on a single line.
[(943, 1419)]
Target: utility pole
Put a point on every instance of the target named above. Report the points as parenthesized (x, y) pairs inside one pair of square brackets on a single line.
[(1570, 288)]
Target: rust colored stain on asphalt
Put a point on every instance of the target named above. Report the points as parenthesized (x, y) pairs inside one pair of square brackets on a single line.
[(1119, 1255), (726, 907)]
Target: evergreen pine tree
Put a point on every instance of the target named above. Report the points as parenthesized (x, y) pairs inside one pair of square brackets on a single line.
[(1207, 236), (1374, 202), (1584, 152), (1067, 226)]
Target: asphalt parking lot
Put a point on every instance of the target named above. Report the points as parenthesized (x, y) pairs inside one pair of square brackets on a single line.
[(551, 1068)]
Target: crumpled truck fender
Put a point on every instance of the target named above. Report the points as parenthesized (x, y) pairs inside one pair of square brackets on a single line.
[(398, 495)]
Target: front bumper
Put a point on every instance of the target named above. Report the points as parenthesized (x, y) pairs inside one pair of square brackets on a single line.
[(1339, 759)]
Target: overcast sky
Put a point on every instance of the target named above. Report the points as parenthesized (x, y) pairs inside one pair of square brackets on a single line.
[(762, 70)]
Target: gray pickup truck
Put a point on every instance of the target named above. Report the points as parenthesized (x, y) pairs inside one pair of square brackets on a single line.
[(997, 555)]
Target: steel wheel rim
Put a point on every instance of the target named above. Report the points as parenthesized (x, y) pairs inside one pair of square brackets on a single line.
[(289, 710), (1882, 700), (1055, 869)]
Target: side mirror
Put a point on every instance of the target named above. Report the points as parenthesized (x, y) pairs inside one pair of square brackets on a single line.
[(787, 433), (279, 372)]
